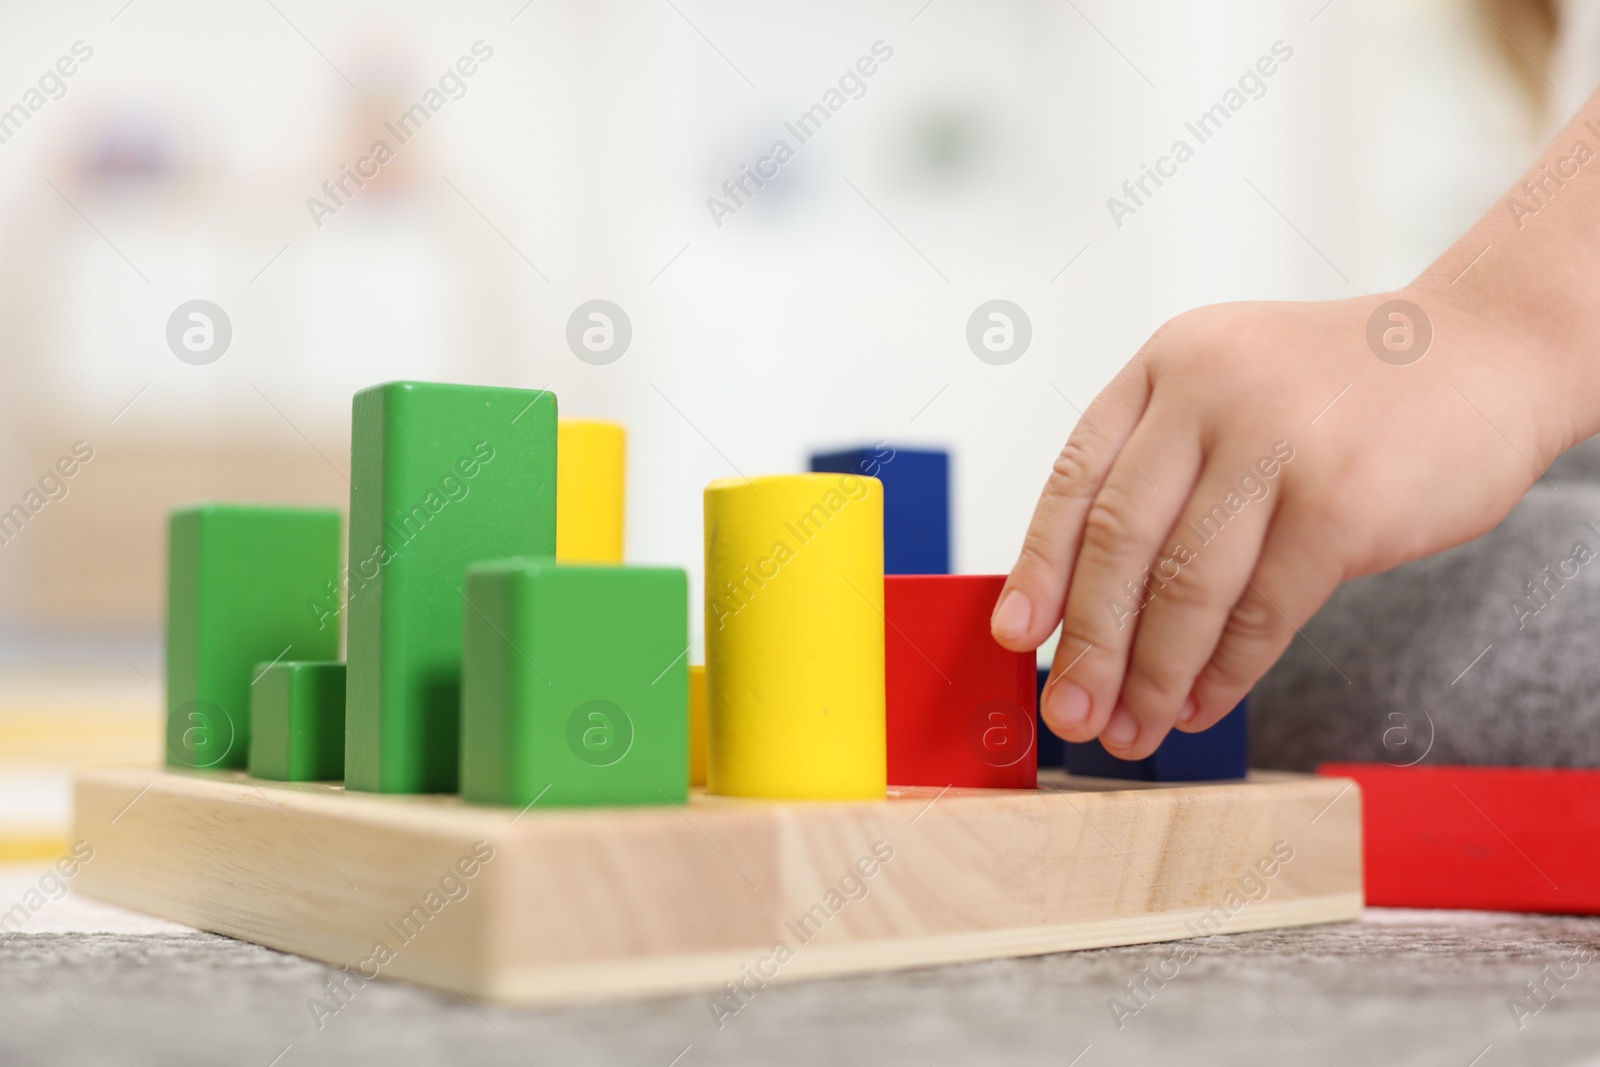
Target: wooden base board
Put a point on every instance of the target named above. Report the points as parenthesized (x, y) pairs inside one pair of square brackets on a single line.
[(567, 904)]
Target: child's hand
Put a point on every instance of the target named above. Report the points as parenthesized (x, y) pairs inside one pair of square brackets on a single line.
[(1247, 460)]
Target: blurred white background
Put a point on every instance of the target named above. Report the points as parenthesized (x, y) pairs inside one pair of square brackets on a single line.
[(831, 309)]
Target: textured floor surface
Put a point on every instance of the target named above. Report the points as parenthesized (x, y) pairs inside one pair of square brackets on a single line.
[(87, 985)]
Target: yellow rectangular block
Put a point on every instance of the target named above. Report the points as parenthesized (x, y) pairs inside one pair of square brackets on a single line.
[(591, 490), (697, 724)]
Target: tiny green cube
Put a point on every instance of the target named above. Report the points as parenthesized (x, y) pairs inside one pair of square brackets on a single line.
[(297, 722), (574, 684), (246, 585)]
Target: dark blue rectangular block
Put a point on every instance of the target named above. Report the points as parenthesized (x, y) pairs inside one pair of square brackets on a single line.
[(1220, 752), (1052, 750), (916, 502)]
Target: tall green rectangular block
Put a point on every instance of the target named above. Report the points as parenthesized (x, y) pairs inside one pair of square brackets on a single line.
[(442, 476), (244, 586), (297, 722), (575, 685)]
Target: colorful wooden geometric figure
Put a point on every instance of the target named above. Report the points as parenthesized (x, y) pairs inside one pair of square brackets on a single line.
[(297, 721), (591, 490), (574, 686), (794, 636), (697, 724), (442, 476), (1483, 838), (916, 502), (1221, 752), (244, 585), (961, 709)]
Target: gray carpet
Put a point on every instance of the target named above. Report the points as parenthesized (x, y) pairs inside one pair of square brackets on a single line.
[(1402, 988), (1450, 659)]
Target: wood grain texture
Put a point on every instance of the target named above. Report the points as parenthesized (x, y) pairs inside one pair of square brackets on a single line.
[(579, 904)]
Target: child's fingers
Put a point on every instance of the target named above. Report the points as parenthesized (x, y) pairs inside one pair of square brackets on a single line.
[(1122, 533), (1298, 570), (1030, 604), (1205, 565)]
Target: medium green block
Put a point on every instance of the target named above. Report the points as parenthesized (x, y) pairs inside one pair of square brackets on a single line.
[(244, 586), (443, 476), (575, 684), (297, 722)]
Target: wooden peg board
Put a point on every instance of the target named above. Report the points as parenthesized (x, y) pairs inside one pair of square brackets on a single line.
[(611, 902)]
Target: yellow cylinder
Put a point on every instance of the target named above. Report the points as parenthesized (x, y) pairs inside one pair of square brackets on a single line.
[(697, 724), (794, 636), (591, 486)]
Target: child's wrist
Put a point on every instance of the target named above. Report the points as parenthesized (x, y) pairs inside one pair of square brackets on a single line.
[(1508, 329)]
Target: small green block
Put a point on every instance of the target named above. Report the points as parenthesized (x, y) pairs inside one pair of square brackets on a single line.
[(297, 722), (443, 476), (244, 584), (574, 684)]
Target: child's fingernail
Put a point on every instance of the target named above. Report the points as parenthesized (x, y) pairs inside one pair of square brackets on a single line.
[(1012, 615), (1121, 730), (1189, 710), (1066, 705)]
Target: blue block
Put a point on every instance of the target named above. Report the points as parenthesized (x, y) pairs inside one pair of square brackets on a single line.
[(1052, 750), (1220, 752), (916, 502)]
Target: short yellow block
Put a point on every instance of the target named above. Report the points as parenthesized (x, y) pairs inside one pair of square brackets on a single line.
[(794, 636), (697, 724), (591, 489)]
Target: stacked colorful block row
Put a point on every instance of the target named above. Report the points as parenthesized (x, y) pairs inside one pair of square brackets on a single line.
[(498, 647)]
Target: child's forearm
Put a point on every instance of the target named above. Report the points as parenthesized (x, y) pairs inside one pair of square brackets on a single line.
[(1530, 269)]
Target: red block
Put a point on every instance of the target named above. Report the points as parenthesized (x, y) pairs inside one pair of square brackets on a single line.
[(1491, 838), (960, 708)]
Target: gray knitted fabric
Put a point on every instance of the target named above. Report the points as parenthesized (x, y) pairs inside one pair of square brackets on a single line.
[(1451, 659), (1397, 988)]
